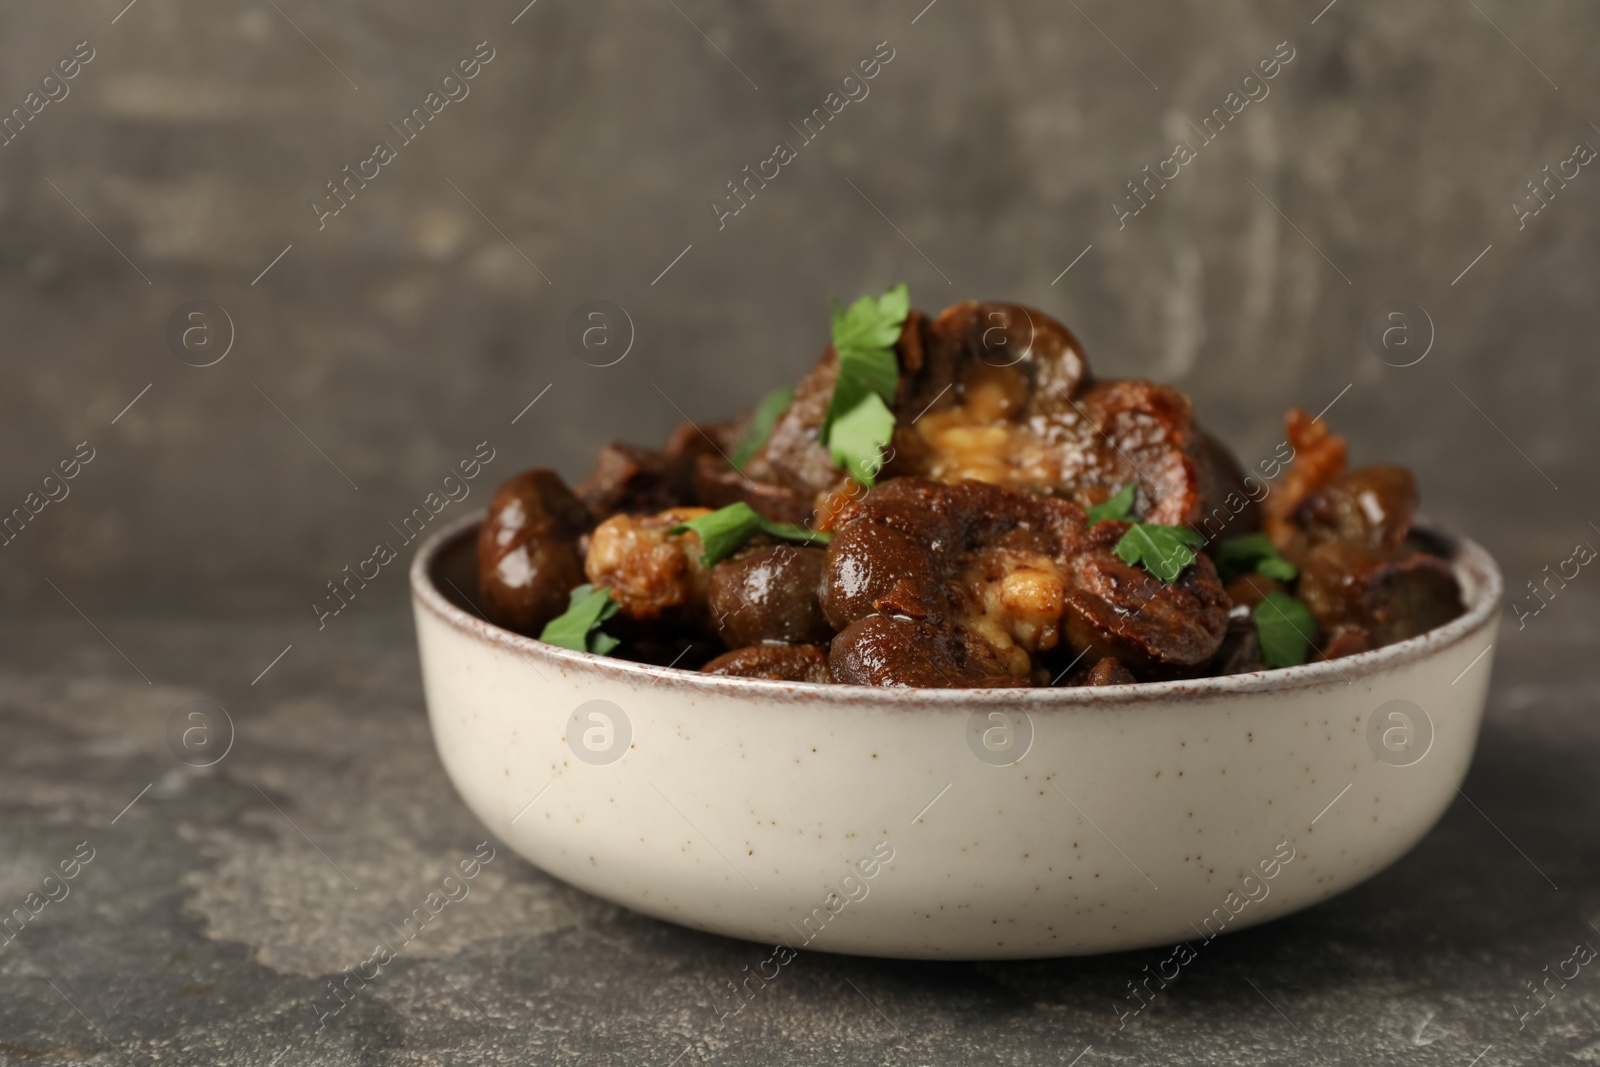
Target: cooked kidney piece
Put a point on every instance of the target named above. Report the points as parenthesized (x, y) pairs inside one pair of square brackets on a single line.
[(528, 555), (768, 595), (957, 502)]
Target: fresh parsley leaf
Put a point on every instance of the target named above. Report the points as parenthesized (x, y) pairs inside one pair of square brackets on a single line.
[(864, 336), (1285, 626), (870, 323), (766, 416), (788, 531), (858, 437), (1278, 568), (578, 628), (1251, 554), (1164, 551), (1116, 507), (863, 372), (723, 531)]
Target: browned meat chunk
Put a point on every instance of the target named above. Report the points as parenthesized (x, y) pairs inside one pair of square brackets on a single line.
[(1130, 431), (875, 568), (781, 663), (1121, 610), (899, 653), (794, 453), (1005, 352), (717, 485), (769, 596), (1108, 671), (1318, 458), (1001, 393), (1241, 646), (965, 407), (631, 479), (1009, 400), (1251, 589), (1366, 598), (651, 575), (1372, 506), (1362, 573), (1006, 577), (528, 560), (1230, 504), (628, 479), (970, 562), (979, 563)]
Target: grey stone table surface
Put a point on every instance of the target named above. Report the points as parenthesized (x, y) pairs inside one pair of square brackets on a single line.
[(218, 906)]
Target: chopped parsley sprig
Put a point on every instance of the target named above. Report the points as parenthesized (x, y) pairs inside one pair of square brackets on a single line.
[(1114, 507), (858, 437), (1251, 554), (1164, 551), (1285, 626), (767, 414), (860, 421), (578, 627), (725, 530)]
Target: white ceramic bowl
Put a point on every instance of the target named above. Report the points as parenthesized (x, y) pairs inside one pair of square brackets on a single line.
[(903, 822)]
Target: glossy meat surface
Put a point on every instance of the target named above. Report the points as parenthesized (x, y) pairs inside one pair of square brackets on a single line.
[(1019, 408), (717, 485), (1119, 610), (970, 562), (1366, 598), (1017, 574), (528, 558), (1365, 580), (794, 454), (652, 575), (627, 478), (781, 663), (768, 595), (1108, 671), (633, 479), (1372, 506), (896, 652)]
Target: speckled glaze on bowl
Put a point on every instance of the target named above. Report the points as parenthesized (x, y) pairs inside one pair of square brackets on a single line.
[(1133, 819)]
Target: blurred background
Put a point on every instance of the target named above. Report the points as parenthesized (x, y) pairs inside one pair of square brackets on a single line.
[(355, 358), (985, 159)]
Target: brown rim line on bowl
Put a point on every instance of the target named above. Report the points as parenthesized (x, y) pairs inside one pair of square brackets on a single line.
[(1119, 817)]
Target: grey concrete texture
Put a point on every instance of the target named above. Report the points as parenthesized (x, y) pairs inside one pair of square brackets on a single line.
[(217, 909), (374, 349)]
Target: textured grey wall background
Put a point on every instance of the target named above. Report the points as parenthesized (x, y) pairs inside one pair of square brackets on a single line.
[(410, 328)]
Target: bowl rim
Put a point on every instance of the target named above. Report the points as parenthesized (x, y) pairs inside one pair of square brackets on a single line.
[(1471, 561)]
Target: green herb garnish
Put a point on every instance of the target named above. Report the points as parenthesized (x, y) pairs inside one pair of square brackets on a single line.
[(723, 531), (1251, 554), (1285, 626), (1164, 551), (766, 416), (858, 436), (578, 628), (1116, 507), (864, 336)]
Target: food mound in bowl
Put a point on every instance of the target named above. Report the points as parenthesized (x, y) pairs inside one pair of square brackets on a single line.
[(958, 502)]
